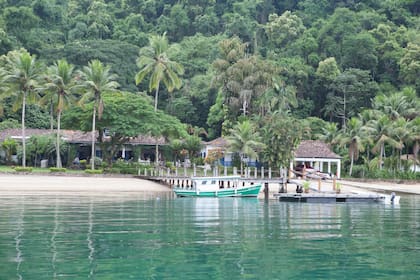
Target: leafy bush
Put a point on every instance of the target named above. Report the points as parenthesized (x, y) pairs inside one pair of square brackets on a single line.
[(113, 170), (82, 163), (306, 185), (23, 169), (359, 171), (95, 171), (199, 161), (56, 169)]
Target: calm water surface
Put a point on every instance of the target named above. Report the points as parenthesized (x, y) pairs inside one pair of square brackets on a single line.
[(160, 237)]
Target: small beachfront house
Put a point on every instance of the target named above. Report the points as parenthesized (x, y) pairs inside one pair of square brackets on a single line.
[(318, 155), (220, 144), (82, 142)]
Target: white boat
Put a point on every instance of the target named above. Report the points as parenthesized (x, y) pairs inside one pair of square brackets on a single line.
[(218, 186)]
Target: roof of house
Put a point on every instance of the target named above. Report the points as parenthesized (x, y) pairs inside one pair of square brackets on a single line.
[(75, 136), (314, 149), (218, 142)]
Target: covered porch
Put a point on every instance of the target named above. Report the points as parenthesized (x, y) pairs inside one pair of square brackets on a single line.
[(319, 156)]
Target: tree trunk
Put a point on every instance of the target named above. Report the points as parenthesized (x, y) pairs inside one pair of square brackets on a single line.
[(59, 165), (92, 164), (23, 131), (156, 96), (157, 154), (242, 164), (351, 163), (380, 156), (51, 116), (157, 145), (415, 154), (344, 112)]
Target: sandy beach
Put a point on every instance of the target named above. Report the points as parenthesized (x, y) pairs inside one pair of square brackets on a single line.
[(104, 185), (72, 184)]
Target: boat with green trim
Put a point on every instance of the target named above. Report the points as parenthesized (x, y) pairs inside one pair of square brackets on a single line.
[(219, 186)]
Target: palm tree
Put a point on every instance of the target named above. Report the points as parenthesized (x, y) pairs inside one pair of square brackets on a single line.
[(245, 140), (380, 129), (97, 79), (402, 134), (61, 83), (279, 97), (329, 133), (353, 137), (414, 126), (153, 60), (21, 77), (400, 104)]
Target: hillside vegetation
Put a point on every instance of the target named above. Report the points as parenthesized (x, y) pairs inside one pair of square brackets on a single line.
[(346, 72)]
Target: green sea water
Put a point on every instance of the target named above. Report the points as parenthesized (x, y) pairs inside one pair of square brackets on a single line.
[(157, 236)]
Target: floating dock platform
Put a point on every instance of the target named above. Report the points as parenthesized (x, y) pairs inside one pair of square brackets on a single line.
[(333, 198)]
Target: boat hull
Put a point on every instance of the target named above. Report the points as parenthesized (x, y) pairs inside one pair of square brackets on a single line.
[(251, 191)]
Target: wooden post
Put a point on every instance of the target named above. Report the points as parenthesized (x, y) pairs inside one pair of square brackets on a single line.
[(334, 184), (266, 191), (176, 171), (319, 185), (194, 170), (185, 170), (168, 172), (262, 172), (255, 172), (235, 171), (269, 173), (225, 170)]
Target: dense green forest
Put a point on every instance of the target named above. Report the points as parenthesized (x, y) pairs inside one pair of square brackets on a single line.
[(346, 72)]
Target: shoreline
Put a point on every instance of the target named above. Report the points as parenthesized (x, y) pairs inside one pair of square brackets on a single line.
[(67, 184), (81, 184)]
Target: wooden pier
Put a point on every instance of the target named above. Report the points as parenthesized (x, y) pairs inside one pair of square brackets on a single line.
[(281, 187), (329, 197)]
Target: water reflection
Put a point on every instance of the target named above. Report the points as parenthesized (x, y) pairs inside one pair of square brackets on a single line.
[(53, 239), (89, 239), (206, 212), (127, 237), (18, 239)]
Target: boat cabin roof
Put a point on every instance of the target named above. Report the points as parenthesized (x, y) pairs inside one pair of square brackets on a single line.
[(216, 178)]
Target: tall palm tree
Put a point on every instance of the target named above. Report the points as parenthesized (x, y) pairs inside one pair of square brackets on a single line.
[(329, 133), (402, 134), (400, 104), (414, 126), (353, 137), (380, 129), (278, 97), (154, 61), (61, 83), (245, 140), (97, 79), (21, 78)]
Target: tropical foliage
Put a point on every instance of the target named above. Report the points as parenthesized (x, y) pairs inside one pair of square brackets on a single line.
[(342, 71)]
